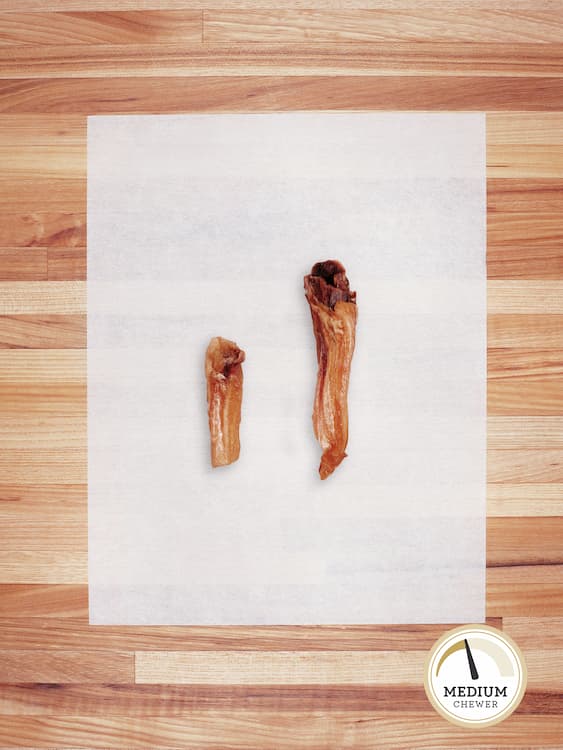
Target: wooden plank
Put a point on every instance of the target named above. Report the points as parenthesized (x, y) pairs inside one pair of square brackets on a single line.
[(539, 262), (43, 566), (65, 231), (51, 298), (177, 700), (288, 25), (54, 161), (66, 666), (524, 500), (528, 331), (533, 364), (535, 632), (66, 264), (542, 396), (121, 5), (279, 668), (544, 667), (514, 195), (40, 600), (23, 264), (21, 132), (524, 433), (23, 533), (296, 59), (56, 504), (525, 297), (66, 633), (42, 196), (29, 367), (273, 93), (525, 161), (129, 27), (524, 541), (299, 730), (38, 465), (40, 432), (42, 331), (518, 128), (525, 591), (525, 466), (58, 399), (525, 230)]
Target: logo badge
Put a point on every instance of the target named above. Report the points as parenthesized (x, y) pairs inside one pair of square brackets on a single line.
[(475, 676)]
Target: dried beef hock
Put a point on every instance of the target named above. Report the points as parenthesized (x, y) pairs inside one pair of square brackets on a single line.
[(334, 312), (223, 372)]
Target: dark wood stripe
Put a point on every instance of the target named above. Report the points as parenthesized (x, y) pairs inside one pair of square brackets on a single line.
[(272, 93)]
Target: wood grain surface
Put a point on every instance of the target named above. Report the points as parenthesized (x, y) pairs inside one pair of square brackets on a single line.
[(67, 684)]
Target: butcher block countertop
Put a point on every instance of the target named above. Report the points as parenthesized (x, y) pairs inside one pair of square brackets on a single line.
[(65, 684)]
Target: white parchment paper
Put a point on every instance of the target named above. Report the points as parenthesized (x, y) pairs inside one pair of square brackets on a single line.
[(204, 225)]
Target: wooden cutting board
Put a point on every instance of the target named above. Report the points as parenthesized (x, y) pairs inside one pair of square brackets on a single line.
[(209, 687)]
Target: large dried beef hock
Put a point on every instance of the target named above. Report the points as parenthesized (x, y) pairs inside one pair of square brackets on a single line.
[(334, 312)]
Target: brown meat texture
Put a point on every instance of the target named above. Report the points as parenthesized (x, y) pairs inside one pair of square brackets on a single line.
[(334, 313), (223, 372)]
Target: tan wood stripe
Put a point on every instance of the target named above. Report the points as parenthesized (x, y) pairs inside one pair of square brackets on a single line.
[(520, 128), (533, 364), (66, 465), (519, 396), (467, 59), (485, 25), (66, 666), (252, 94), (524, 500), (525, 161), (28, 366), (525, 466), (528, 331), (129, 27), (274, 731), (524, 433), (42, 298), (43, 566), (274, 667), (530, 297)]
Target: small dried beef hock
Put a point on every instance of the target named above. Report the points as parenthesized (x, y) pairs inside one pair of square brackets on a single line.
[(223, 372), (334, 312)]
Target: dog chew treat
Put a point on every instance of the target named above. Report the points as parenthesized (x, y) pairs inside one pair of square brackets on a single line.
[(223, 372), (334, 313)]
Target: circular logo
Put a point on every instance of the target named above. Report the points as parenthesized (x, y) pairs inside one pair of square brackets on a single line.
[(475, 676)]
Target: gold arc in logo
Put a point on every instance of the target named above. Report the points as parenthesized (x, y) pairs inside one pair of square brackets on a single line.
[(493, 650)]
